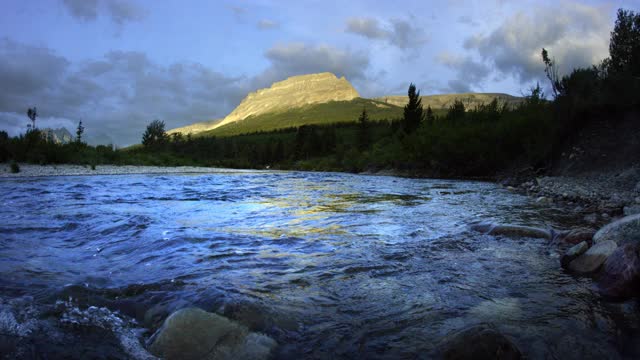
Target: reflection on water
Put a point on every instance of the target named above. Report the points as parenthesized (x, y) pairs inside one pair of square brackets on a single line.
[(330, 265)]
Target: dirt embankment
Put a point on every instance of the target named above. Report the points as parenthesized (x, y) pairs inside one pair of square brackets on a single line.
[(595, 171)]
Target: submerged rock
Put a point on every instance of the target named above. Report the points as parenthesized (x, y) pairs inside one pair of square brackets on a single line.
[(478, 342), (591, 260), (573, 253), (621, 231), (193, 333), (512, 230), (620, 277)]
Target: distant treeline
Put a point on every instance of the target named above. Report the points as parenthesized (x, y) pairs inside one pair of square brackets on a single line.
[(480, 141)]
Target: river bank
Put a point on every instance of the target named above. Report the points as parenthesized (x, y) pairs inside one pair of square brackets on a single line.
[(31, 170), (600, 196)]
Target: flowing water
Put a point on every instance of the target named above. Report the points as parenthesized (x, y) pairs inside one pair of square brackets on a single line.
[(330, 265)]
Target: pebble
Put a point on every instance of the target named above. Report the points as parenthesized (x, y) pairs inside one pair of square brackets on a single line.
[(591, 218)]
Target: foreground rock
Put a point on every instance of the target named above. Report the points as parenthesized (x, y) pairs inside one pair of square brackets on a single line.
[(478, 342), (621, 231), (620, 277), (573, 253), (193, 333), (591, 260)]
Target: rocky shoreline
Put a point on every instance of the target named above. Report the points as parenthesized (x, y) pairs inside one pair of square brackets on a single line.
[(599, 197)]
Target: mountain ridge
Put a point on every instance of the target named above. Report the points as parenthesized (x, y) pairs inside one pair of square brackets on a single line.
[(336, 97), (293, 92)]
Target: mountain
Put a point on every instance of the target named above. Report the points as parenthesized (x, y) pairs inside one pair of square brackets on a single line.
[(320, 99), (443, 101), (294, 92), (325, 113), (58, 136), (196, 128)]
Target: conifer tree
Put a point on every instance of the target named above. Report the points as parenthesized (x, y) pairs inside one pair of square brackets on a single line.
[(413, 111), (363, 130)]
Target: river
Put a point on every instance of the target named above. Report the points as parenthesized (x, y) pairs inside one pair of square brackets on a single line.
[(330, 265)]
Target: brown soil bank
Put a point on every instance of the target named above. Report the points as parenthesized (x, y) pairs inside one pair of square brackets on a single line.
[(596, 168)]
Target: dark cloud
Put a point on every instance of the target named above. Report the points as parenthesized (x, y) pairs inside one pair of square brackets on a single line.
[(119, 11), (116, 95), (469, 73), (85, 10), (367, 27), (576, 35), (121, 92), (122, 11), (398, 32), (267, 24), (298, 58), (27, 71)]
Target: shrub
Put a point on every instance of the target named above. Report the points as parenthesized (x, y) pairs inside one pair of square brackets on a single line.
[(15, 168)]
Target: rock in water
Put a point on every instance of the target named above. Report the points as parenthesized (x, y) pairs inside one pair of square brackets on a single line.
[(193, 333), (478, 342), (591, 260), (620, 278), (621, 231), (512, 230), (573, 253)]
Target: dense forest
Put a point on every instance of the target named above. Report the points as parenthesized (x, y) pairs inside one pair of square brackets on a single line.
[(480, 141)]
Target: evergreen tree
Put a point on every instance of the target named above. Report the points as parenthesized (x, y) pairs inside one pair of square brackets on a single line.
[(79, 132), (154, 135), (363, 130), (429, 117), (32, 114), (456, 111), (624, 46), (413, 111), (278, 153)]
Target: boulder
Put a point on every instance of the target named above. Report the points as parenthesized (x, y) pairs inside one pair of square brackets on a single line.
[(573, 253), (478, 342), (593, 258), (620, 276), (631, 209), (576, 236), (621, 231), (193, 333), (543, 200)]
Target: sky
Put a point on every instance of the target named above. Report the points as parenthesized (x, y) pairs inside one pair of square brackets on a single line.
[(119, 64)]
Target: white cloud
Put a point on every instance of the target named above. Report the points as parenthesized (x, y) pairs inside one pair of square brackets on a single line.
[(576, 35)]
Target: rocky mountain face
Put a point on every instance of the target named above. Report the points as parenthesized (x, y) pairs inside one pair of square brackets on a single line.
[(58, 136), (294, 92), (444, 101)]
